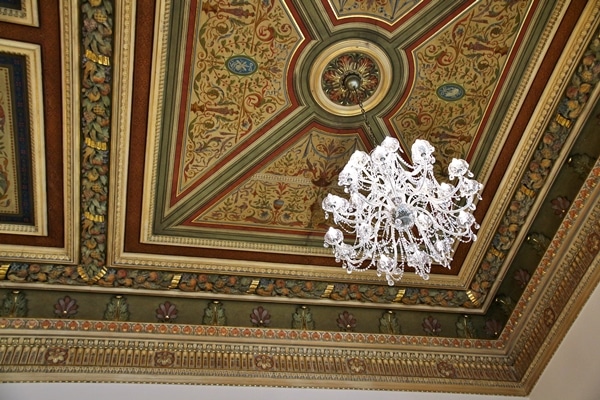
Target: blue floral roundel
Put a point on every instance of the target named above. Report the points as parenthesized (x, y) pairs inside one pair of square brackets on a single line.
[(450, 92), (241, 65)]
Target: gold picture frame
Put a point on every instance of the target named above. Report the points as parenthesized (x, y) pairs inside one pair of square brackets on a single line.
[(26, 15), (31, 69)]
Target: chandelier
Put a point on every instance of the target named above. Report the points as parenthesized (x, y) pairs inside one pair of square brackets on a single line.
[(397, 213)]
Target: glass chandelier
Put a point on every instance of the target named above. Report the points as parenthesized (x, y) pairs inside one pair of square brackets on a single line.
[(399, 214)]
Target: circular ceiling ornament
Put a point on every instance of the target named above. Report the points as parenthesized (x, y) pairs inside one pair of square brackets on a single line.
[(348, 72), (350, 78)]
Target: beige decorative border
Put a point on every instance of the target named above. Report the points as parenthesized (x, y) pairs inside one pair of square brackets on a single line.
[(27, 15), (120, 139), (33, 55), (69, 252), (562, 283), (358, 10), (71, 126), (124, 357)]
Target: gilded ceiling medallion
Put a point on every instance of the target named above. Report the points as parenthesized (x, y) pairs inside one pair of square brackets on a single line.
[(354, 68), (358, 61)]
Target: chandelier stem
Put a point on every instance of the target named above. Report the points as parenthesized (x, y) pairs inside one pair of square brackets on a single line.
[(364, 115)]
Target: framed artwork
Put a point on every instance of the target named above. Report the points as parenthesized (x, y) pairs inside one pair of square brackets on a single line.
[(22, 157), (23, 12)]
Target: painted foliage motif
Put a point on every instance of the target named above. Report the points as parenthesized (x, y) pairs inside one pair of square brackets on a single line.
[(457, 73), (288, 192), (97, 45), (237, 82)]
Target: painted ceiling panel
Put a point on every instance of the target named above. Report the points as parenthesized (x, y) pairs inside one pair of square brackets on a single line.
[(239, 77), (22, 183), (286, 194), (390, 12), (458, 72), (37, 144), (239, 61), (13, 149)]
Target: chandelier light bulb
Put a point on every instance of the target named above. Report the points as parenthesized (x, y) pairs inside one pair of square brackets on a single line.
[(399, 214)]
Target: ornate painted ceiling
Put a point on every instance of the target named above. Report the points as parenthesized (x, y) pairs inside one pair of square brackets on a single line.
[(162, 166)]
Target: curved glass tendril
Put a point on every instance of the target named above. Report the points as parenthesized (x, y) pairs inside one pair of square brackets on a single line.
[(399, 214)]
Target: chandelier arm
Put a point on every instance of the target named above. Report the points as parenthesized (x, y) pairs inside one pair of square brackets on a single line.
[(356, 263), (405, 165), (456, 234)]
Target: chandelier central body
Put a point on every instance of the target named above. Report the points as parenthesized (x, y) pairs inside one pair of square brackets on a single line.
[(399, 214)]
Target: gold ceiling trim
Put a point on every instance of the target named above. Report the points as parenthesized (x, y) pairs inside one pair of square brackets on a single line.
[(3, 271), (35, 109)]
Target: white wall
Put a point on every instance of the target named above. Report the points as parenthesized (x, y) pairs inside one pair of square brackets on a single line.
[(75, 391), (574, 371)]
